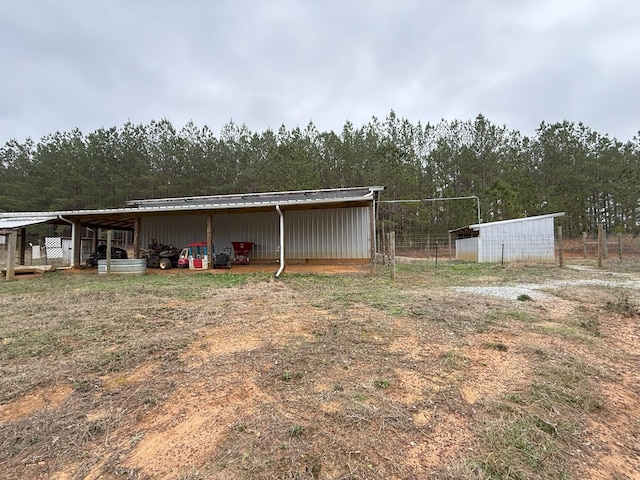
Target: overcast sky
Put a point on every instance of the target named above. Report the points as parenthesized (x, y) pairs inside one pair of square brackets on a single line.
[(91, 64)]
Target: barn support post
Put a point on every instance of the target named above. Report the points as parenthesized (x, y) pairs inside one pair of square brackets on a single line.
[(23, 245), (109, 237), (372, 236), (281, 247), (210, 245), (94, 243), (136, 237), (11, 255), (76, 241)]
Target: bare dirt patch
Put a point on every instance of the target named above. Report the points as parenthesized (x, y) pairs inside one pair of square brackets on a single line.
[(45, 398)]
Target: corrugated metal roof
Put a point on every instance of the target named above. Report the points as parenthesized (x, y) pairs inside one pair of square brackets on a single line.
[(268, 198), (11, 221), (479, 226), (523, 219)]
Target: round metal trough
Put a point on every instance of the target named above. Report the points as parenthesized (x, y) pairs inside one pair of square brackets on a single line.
[(128, 266)]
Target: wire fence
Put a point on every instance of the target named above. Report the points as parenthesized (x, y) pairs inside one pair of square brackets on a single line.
[(507, 249), (56, 251)]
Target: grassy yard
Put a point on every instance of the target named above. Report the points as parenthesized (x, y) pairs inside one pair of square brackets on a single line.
[(341, 376)]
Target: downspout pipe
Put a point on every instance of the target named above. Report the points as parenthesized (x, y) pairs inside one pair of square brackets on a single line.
[(281, 241), (65, 220)]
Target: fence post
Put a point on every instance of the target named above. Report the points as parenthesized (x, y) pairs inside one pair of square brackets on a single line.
[(619, 246), (604, 243), (384, 244), (584, 244), (560, 247), (392, 244), (600, 239)]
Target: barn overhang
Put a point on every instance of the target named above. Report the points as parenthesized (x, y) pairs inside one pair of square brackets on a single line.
[(464, 232), (11, 222)]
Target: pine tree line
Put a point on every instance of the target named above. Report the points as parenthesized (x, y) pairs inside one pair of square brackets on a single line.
[(563, 167)]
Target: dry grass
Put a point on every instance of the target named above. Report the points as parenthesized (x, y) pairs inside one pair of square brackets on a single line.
[(314, 376)]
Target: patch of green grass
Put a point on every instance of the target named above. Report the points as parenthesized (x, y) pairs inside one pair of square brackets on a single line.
[(569, 332), (519, 450), (590, 323), (339, 292), (83, 386), (500, 316), (514, 397), (113, 361), (565, 382), (38, 343), (149, 397), (622, 304), (296, 430), (453, 360), (452, 273), (382, 383), (520, 316)]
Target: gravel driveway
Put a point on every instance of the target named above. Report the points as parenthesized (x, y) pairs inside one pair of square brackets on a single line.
[(540, 291)]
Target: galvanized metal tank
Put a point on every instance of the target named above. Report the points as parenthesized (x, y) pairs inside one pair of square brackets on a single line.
[(128, 266)]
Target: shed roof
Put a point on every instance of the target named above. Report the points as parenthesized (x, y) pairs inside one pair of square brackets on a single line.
[(474, 229)]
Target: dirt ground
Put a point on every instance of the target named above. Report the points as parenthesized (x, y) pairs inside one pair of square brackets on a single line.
[(413, 412)]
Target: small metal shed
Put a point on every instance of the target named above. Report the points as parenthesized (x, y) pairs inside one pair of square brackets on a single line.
[(528, 239)]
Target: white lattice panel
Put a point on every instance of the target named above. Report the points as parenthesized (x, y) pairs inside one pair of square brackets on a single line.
[(53, 246)]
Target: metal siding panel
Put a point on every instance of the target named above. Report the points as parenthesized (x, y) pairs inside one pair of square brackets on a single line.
[(527, 241), (328, 234), (262, 229), (339, 233), (467, 249)]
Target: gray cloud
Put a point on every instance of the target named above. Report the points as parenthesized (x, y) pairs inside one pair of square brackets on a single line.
[(70, 64)]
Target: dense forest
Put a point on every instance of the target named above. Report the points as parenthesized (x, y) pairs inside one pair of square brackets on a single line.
[(562, 167)]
